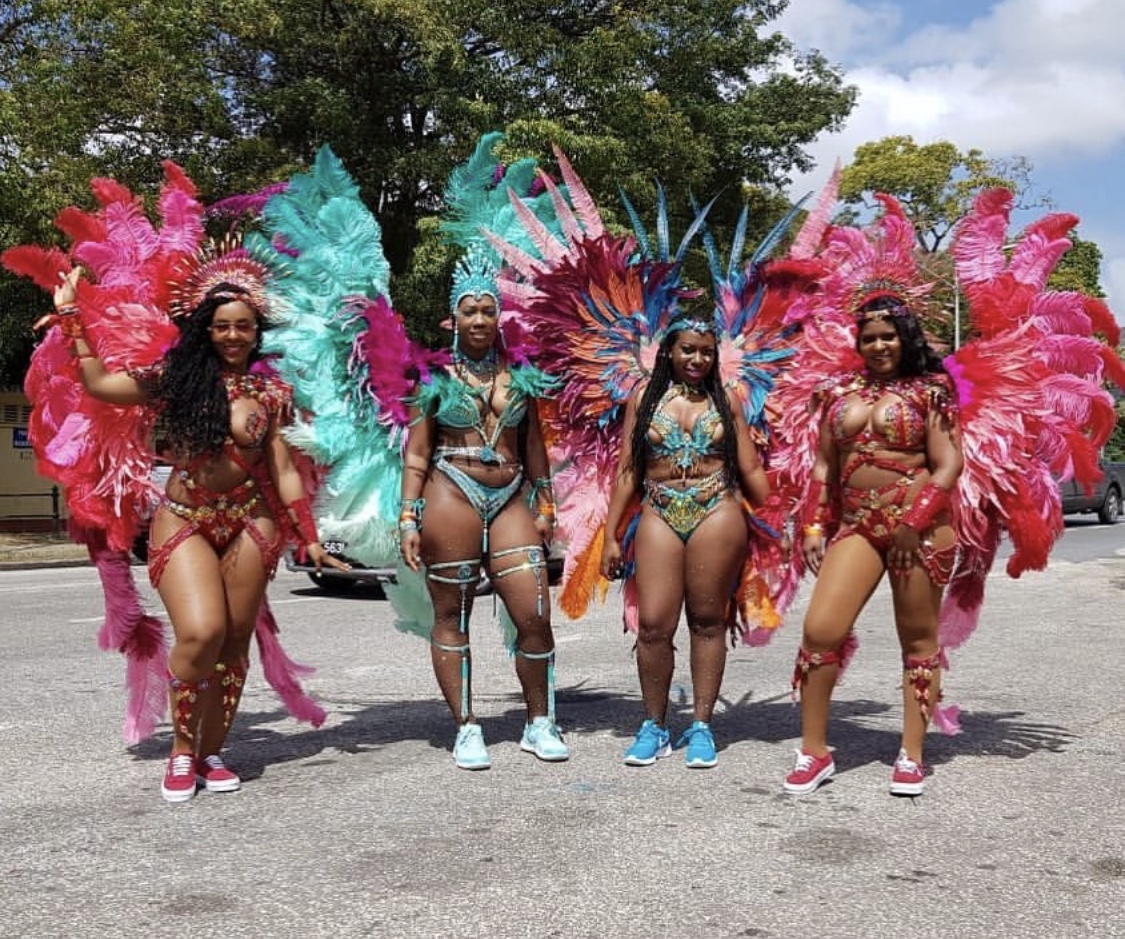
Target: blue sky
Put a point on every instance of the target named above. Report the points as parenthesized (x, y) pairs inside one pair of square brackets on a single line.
[(1041, 79)]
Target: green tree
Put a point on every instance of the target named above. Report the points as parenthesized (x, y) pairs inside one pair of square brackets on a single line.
[(701, 94), (1079, 269), (936, 183)]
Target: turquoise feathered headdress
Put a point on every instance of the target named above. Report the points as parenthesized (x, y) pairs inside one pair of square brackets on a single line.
[(477, 201), (474, 276)]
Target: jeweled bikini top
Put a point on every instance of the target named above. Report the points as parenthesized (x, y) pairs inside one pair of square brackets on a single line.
[(667, 439), (900, 424)]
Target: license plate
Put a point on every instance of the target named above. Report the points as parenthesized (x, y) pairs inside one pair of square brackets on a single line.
[(335, 547)]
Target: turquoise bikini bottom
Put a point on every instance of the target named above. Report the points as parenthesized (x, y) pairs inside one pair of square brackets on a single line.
[(685, 509)]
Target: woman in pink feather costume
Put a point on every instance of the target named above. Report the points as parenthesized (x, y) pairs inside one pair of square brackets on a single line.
[(879, 500), (234, 494)]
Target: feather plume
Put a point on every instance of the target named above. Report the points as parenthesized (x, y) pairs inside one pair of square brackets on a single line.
[(42, 265), (811, 233), (343, 350), (282, 673), (132, 632)]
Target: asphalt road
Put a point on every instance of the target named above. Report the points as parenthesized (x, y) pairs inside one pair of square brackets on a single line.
[(365, 828)]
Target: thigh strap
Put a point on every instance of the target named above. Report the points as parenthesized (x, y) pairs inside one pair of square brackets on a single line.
[(468, 573), (536, 562)]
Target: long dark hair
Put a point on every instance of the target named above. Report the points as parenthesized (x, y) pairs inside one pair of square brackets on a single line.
[(658, 383), (918, 358), (195, 414)]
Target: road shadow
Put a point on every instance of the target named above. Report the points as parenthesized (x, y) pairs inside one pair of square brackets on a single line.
[(261, 738)]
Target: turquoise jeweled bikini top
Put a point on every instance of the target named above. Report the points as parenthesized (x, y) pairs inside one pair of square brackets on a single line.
[(668, 440)]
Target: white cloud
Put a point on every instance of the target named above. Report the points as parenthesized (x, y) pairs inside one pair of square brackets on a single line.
[(1032, 77), (1042, 79)]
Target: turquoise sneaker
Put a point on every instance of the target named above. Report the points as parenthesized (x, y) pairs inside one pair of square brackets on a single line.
[(652, 743), (469, 751), (700, 746), (543, 738)]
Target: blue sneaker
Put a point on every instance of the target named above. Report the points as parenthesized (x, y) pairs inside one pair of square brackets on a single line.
[(700, 746), (652, 743), (543, 738), (469, 751)]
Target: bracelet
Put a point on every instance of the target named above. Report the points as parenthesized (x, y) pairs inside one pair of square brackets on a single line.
[(814, 528), (541, 489), (410, 524), (412, 508), (549, 519), (815, 512)]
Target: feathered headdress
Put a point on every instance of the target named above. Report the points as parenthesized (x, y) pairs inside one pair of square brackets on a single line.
[(218, 263), (474, 276), (859, 265), (481, 197)]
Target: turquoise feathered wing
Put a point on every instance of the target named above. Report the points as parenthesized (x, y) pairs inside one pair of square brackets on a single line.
[(332, 299)]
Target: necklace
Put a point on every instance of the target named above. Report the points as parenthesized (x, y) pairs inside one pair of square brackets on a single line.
[(684, 390), (483, 368)]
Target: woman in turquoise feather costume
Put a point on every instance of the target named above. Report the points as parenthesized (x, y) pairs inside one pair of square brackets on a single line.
[(476, 491)]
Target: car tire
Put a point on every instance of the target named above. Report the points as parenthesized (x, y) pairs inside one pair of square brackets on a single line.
[(333, 585), (1110, 511)]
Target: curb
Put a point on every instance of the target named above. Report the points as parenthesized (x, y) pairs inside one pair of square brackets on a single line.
[(36, 565)]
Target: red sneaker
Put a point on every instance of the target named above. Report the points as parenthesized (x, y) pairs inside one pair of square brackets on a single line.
[(179, 778), (212, 773), (809, 772), (908, 777)]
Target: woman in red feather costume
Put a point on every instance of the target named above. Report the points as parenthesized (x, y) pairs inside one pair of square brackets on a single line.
[(234, 492), (887, 459), (920, 467)]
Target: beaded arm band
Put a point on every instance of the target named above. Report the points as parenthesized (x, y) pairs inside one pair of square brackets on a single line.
[(300, 512), (932, 500), (66, 318)]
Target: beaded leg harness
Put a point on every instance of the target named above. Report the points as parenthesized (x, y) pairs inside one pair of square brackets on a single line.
[(232, 677), (920, 674), (466, 577), (806, 662), (184, 695), (550, 657)]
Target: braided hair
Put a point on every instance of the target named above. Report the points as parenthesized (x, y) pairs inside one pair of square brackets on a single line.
[(195, 407), (658, 383)]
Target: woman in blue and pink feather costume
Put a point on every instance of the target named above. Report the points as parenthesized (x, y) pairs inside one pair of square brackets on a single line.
[(475, 462), (687, 451)]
